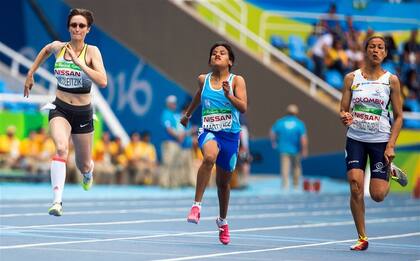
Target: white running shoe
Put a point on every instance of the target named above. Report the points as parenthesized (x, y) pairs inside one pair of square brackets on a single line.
[(398, 175), (56, 209)]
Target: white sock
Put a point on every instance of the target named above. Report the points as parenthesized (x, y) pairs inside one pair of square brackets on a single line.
[(197, 204), (221, 222), (58, 178)]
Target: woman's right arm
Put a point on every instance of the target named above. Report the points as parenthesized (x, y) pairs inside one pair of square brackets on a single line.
[(50, 48), (195, 101), (345, 115)]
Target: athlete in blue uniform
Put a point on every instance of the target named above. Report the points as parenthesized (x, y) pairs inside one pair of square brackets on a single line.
[(223, 97), (71, 114), (367, 94)]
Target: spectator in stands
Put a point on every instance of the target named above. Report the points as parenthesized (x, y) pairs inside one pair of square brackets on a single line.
[(119, 160), (413, 85), (223, 97), (132, 151), (30, 151), (319, 50), (71, 114), (331, 19), (147, 160), (9, 148), (105, 170), (355, 56), (336, 58), (47, 153), (370, 131), (36, 152), (351, 34), (171, 148), (411, 56), (244, 156), (197, 159), (392, 49), (188, 176), (288, 136)]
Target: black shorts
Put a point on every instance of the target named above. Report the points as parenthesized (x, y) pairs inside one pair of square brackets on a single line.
[(356, 157), (79, 117)]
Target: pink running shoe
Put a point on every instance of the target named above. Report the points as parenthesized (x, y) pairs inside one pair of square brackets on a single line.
[(194, 215), (224, 235)]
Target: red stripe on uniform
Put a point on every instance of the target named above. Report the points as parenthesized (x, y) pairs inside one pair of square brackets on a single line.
[(56, 158)]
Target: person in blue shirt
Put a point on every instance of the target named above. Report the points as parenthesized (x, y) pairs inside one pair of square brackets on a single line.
[(187, 173), (170, 146), (288, 137)]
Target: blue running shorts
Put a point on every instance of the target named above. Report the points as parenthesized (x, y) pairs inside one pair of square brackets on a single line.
[(228, 144)]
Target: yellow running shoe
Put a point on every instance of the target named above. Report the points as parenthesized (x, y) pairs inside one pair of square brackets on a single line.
[(87, 182), (56, 209)]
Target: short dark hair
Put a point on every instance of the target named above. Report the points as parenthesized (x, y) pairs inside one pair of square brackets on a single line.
[(375, 37), (228, 47), (83, 12)]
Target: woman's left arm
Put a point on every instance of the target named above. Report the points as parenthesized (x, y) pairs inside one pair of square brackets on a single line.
[(97, 73), (398, 118), (239, 96)]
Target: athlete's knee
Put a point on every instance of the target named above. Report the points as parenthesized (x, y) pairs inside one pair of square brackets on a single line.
[(62, 149), (356, 188), (378, 196)]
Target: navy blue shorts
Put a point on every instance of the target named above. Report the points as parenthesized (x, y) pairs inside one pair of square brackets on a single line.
[(356, 157), (228, 144)]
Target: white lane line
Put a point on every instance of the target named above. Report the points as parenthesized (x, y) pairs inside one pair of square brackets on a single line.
[(232, 217), (172, 209), (95, 203), (326, 224), (140, 202), (285, 248)]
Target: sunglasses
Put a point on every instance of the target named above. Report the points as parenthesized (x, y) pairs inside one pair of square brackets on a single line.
[(81, 26)]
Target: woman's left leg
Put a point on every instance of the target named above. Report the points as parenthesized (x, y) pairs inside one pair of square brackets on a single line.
[(83, 154), (223, 178)]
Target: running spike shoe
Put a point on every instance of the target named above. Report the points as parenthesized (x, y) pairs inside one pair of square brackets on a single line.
[(361, 244), (88, 180), (398, 175), (56, 209), (194, 215), (224, 235)]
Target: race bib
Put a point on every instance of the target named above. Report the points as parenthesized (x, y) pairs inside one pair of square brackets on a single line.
[(366, 119), (68, 75), (217, 119)]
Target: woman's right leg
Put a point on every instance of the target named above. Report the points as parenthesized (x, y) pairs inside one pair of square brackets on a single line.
[(60, 131), (356, 157), (357, 203), (210, 151)]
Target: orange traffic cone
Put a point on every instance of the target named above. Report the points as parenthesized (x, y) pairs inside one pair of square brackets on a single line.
[(307, 186), (316, 186)]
